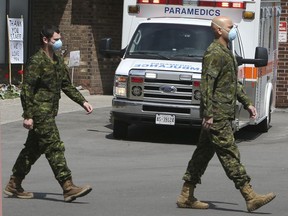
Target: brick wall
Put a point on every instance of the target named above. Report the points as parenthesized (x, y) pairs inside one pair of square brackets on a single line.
[(82, 24), (282, 80)]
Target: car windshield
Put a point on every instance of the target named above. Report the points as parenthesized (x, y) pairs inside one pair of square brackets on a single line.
[(170, 41)]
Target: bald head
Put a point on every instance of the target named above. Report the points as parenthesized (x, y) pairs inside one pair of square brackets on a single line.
[(221, 22)]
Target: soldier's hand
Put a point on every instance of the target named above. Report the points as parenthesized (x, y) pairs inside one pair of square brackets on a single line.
[(252, 111), (28, 124), (207, 122), (88, 107)]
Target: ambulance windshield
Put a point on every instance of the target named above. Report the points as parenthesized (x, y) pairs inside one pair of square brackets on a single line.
[(170, 41)]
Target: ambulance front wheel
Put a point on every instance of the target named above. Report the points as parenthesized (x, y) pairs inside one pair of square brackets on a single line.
[(120, 129)]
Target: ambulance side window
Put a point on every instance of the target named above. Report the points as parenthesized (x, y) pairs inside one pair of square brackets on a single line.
[(136, 40)]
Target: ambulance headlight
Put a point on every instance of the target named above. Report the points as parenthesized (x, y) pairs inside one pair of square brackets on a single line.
[(120, 86)]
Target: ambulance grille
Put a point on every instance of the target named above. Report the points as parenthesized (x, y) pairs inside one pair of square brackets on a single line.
[(169, 91)]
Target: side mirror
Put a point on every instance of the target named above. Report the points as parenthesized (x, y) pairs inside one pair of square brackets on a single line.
[(105, 49), (261, 55), (261, 58), (104, 45)]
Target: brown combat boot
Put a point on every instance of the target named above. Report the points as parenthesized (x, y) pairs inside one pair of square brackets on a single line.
[(254, 200), (14, 189), (71, 191), (187, 200)]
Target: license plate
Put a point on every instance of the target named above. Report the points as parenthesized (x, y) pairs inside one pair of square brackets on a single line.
[(165, 119)]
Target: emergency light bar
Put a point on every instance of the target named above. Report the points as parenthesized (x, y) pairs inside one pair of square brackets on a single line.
[(172, 2), (204, 3), (223, 4), (229, 4)]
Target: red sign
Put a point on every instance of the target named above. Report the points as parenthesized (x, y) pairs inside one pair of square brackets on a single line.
[(282, 37), (283, 26)]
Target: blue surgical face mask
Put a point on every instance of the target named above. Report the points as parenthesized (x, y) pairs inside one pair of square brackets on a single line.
[(57, 45), (232, 34)]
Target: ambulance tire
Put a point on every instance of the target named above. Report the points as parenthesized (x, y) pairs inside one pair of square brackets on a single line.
[(264, 126), (120, 129)]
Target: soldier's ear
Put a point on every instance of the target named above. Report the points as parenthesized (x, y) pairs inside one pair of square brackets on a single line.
[(219, 31), (45, 40)]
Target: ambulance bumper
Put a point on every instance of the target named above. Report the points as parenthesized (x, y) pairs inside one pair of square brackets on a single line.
[(137, 112)]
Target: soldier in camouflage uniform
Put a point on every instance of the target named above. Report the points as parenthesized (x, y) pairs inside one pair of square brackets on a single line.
[(219, 92), (45, 76)]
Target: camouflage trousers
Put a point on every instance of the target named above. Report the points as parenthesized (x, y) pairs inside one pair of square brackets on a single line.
[(44, 138), (220, 140)]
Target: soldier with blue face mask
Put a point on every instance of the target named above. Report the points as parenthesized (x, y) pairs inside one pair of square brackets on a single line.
[(45, 76), (219, 92)]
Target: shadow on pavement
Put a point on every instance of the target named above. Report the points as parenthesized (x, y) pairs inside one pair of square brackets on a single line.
[(175, 135), (48, 197)]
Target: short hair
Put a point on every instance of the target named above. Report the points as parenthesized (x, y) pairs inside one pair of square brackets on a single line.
[(48, 31)]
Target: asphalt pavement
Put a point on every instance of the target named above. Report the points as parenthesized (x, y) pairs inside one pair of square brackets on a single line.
[(140, 176)]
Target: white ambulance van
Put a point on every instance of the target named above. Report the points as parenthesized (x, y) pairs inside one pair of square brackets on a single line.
[(158, 78)]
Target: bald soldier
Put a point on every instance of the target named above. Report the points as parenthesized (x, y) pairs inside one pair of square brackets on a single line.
[(219, 92)]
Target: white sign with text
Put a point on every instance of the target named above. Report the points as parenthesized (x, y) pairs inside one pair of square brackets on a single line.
[(16, 37), (16, 29), (74, 60), (16, 52)]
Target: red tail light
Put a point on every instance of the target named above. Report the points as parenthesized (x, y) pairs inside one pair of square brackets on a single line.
[(172, 2)]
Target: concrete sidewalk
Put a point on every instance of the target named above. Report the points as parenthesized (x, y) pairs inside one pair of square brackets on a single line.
[(11, 109)]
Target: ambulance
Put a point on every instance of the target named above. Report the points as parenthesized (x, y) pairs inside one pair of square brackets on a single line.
[(163, 42)]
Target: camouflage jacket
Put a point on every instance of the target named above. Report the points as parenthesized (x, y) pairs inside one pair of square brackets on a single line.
[(220, 88), (43, 81)]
